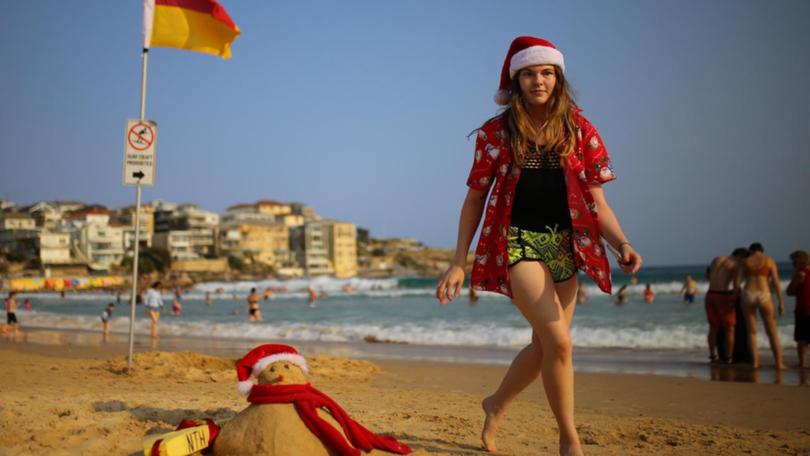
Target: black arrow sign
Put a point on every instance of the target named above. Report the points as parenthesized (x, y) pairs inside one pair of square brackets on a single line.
[(138, 175)]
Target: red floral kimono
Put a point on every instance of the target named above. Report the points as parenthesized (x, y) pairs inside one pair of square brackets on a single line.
[(588, 164)]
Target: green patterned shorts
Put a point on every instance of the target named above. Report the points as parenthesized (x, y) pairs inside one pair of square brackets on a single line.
[(553, 247)]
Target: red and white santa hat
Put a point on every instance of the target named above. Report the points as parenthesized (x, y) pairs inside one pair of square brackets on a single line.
[(262, 356), (526, 51)]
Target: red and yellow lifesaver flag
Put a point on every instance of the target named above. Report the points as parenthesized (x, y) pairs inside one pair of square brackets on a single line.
[(194, 25)]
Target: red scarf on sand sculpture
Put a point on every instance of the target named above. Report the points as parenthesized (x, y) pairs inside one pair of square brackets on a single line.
[(307, 401)]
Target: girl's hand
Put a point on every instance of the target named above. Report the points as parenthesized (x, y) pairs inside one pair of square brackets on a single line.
[(631, 260), (449, 286)]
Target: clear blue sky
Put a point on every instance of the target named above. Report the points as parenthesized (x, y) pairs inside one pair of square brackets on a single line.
[(361, 109)]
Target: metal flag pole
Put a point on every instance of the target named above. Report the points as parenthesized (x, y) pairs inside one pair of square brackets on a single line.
[(134, 293)]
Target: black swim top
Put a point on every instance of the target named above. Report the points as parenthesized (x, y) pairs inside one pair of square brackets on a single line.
[(541, 196)]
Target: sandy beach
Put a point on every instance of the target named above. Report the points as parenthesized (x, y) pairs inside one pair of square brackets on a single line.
[(77, 399)]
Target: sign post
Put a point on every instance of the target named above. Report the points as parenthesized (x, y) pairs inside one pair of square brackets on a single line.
[(139, 169)]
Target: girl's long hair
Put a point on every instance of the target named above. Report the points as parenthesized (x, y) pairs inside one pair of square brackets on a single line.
[(559, 130)]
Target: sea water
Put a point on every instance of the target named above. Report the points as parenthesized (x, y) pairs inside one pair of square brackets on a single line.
[(404, 314)]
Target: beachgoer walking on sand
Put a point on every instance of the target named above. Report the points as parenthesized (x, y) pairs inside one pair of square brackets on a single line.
[(254, 312), (531, 247), (760, 274), (722, 273), (689, 290), (800, 288), (153, 303)]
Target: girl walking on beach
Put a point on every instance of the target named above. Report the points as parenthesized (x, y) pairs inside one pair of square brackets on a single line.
[(545, 164)]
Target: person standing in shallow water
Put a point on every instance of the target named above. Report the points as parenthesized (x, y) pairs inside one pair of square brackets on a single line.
[(689, 290), (254, 311), (760, 274), (723, 274), (800, 288), (531, 247), (649, 294), (153, 303)]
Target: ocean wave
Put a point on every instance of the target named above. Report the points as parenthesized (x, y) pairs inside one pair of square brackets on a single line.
[(321, 283), (360, 288), (434, 333)]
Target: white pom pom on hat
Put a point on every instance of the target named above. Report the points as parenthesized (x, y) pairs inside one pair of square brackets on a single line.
[(526, 51), (262, 356)]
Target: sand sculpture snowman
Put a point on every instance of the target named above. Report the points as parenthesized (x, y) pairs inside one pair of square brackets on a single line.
[(288, 417)]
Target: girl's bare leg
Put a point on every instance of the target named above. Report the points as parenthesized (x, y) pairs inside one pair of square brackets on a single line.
[(750, 313), (534, 295), (524, 370), (769, 321)]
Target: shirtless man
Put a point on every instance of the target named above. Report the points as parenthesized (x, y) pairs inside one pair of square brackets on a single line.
[(720, 300), (689, 290), (11, 309), (760, 273)]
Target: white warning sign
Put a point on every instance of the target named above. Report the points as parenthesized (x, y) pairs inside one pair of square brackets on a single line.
[(139, 152)]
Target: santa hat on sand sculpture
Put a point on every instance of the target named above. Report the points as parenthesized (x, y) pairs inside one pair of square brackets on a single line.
[(262, 356), (339, 434)]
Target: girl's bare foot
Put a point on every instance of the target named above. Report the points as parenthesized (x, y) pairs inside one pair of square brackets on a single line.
[(567, 449), (492, 416)]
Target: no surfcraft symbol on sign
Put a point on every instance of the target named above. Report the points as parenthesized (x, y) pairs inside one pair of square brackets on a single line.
[(139, 152), (141, 136)]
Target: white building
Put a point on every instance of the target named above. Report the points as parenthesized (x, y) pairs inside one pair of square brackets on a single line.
[(15, 221), (54, 248), (102, 244), (97, 241), (179, 244), (186, 221)]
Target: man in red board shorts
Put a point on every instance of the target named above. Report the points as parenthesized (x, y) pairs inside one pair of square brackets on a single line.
[(722, 272)]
